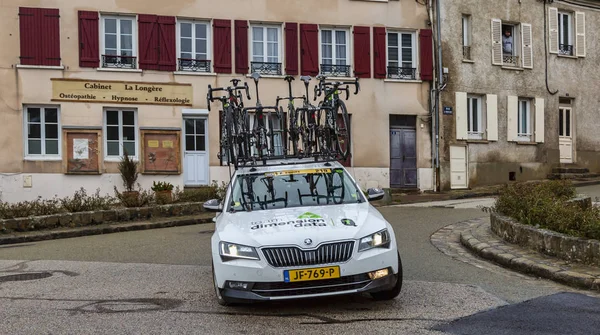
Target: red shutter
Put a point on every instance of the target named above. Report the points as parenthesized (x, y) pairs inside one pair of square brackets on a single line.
[(426, 45), (148, 41), (89, 55), (291, 48), (241, 47), (50, 37), (167, 58), (39, 36), (309, 46), (222, 45), (379, 52), (362, 52)]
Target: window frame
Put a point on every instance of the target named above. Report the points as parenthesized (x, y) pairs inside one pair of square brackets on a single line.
[(480, 133), (526, 136), (349, 46), (43, 155), (467, 36), (108, 157), (517, 45), (280, 135), (570, 31), (134, 35), (209, 39), (264, 41), (413, 35)]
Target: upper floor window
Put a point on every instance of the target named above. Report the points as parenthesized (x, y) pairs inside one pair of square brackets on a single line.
[(512, 44), (194, 46), (43, 131), (565, 31), (266, 49), (466, 36), (402, 56), (335, 52), (118, 42)]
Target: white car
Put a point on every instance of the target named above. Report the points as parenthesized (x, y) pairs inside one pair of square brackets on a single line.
[(299, 231)]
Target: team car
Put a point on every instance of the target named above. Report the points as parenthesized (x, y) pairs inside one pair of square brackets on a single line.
[(301, 230)]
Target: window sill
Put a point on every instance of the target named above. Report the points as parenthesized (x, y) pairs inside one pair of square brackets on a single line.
[(415, 81), (42, 158), (478, 141), (106, 69), (275, 76), (526, 143), (192, 73), (113, 159), (567, 56), (40, 67), (468, 61), (334, 78), (514, 68)]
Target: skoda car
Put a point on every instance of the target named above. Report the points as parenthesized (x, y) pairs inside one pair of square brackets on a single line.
[(301, 231)]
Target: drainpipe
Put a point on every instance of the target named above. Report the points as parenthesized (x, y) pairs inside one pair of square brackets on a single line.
[(439, 88), (432, 104)]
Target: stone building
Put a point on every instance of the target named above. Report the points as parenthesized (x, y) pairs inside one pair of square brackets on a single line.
[(81, 82)]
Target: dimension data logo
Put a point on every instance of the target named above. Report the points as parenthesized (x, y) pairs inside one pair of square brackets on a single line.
[(305, 220)]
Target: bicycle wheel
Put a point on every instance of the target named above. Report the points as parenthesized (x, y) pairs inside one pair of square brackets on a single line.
[(293, 130), (342, 130), (230, 144)]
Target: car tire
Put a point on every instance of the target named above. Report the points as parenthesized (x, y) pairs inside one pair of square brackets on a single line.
[(220, 299), (395, 291)]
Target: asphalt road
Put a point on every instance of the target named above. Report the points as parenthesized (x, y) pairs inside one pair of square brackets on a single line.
[(158, 281)]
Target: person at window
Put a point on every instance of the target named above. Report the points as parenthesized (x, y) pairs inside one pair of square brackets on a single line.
[(507, 42)]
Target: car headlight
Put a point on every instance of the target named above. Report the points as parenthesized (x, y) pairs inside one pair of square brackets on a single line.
[(232, 250), (380, 239)]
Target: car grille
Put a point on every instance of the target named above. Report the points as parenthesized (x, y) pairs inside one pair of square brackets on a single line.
[(293, 256), (281, 289)]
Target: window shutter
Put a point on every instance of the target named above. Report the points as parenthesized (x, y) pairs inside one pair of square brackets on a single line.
[(512, 118), (222, 45), (496, 42), (167, 54), (526, 42), (580, 34), (461, 116), (379, 52), (30, 24), (89, 42), (539, 120), (148, 41), (291, 48), (50, 37), (241, 46), (309, 49), (553, 30), (426, 46), (492, 117), (362, 52)]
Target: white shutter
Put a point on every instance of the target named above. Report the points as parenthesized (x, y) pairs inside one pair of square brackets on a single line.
[(526, 41), (553, 27), (492, 117), (539, 120), (513, 118), (461, 115), (580, 34), (496, 42)]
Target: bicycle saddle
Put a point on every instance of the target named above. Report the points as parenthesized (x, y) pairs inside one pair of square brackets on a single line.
[(305, 79), (289, 78)]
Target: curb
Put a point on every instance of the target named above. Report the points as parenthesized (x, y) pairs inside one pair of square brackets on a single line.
[(100, 230), (526, 266)]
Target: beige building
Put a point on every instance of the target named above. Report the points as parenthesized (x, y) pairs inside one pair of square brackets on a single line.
[(84, 81), (521, 96)]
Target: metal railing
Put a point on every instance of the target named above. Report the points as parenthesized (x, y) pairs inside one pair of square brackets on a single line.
[(265, 68), (194, 65), (467, 52), (565, 49), (333, 70), (406, 73), (119, 62), (510, 60)]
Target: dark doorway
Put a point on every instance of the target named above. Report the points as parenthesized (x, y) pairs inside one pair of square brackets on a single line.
[(403, 151)]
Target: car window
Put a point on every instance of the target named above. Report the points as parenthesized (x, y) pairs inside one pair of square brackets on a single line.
[(293, 188)]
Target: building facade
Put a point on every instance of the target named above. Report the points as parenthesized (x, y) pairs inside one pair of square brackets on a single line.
[(82, 82), (521, 90)]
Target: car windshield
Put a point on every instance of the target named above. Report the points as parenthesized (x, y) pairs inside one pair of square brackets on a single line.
[(293, 188)]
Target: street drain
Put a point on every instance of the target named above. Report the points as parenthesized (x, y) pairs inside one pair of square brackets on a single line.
[(25, 276)]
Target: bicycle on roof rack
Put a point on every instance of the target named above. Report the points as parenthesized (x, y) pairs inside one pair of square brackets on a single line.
[(293, 128)]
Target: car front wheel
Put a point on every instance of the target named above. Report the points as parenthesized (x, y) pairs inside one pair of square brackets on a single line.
[(394, 291), (220, 299)]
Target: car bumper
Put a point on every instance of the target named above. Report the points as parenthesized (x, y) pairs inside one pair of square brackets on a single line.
[(259, 281)]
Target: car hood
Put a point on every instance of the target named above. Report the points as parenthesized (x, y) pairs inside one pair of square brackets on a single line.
[(292, 226)]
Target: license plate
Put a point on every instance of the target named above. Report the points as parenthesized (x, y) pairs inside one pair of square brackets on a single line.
[(311, 274)]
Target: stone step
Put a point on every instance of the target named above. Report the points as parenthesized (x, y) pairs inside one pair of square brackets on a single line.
[(573, 175), (570, 169), (405, 191)]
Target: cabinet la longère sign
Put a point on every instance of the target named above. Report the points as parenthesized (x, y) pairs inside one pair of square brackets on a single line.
[(123, 92)]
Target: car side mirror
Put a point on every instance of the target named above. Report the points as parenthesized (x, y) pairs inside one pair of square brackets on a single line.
[(375, 194), (213, 205)]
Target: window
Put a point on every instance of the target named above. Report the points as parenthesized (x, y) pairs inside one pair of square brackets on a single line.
[(565, 29), (120, 129), (42, 127), (466, 36), (524, 119), (510, 54), (194, 46), (266, 50), (401, 55), (277, 134), (118, 48), (475, 120), (512, 44), (335, 52)]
